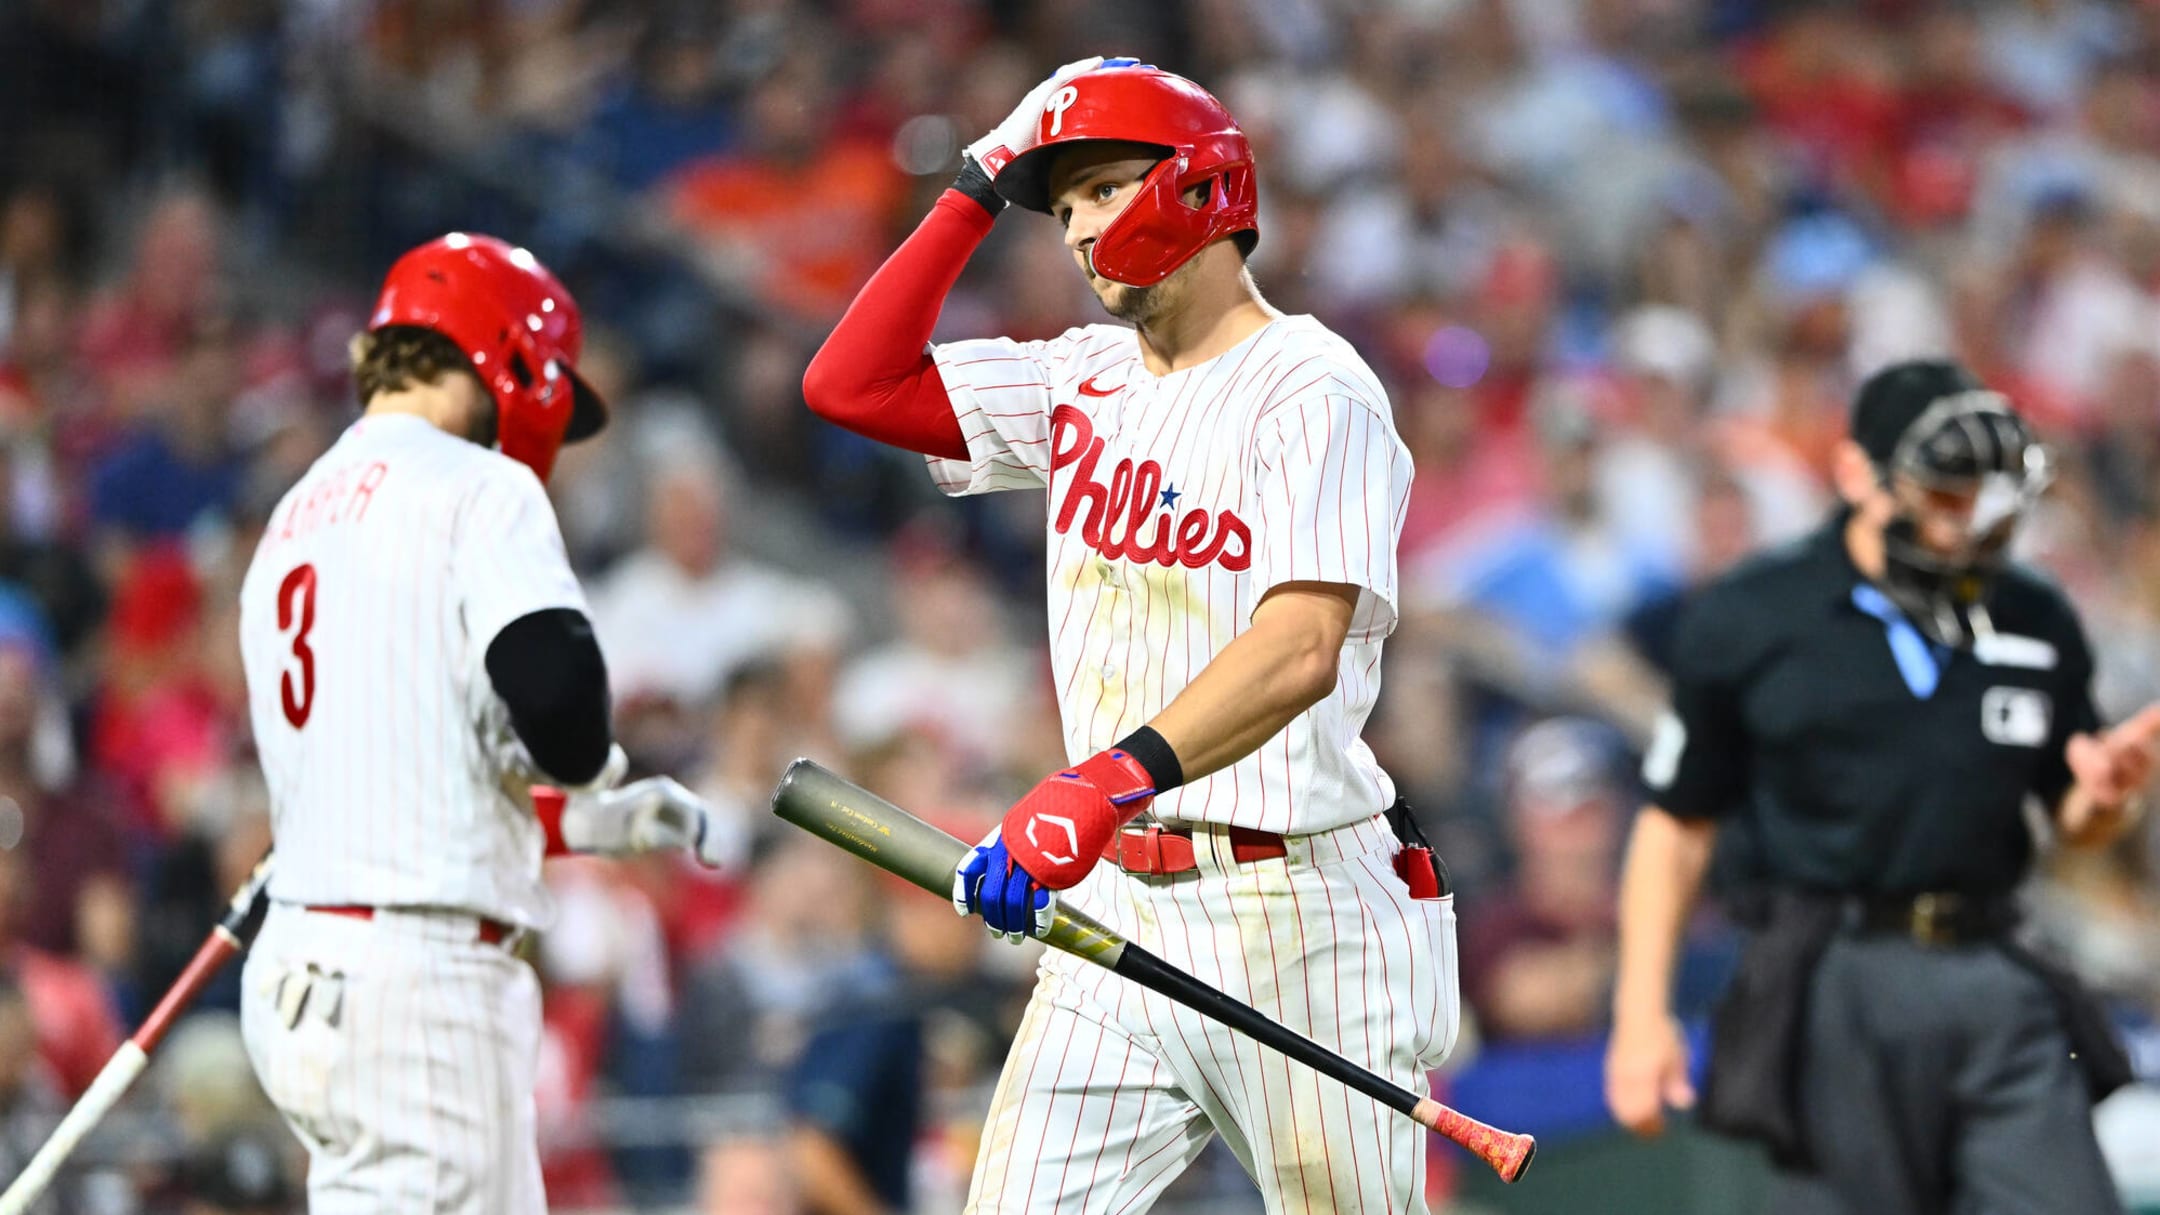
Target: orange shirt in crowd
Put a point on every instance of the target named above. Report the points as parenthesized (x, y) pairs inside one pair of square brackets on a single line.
[(812, 232)]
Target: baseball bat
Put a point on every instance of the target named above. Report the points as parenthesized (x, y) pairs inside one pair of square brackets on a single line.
[(231, 935), (822, 803)]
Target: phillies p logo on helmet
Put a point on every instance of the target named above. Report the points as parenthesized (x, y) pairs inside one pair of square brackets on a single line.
[(1059, 102)]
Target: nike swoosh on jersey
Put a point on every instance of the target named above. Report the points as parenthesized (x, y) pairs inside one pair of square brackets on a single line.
[(1088, 389)]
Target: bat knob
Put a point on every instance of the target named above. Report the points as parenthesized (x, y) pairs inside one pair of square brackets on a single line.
[(1508, 1153)]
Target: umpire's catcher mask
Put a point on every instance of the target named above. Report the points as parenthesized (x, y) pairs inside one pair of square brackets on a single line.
[(1963, 474)]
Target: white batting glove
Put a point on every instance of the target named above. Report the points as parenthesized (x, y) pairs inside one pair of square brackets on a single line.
[(1006, 140), (648, 815)]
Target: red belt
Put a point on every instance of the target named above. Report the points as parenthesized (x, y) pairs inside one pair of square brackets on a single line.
[(492, 932), (1164, 850)]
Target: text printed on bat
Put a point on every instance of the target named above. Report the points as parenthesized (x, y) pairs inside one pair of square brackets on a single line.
[(862, 847), (866, 820)]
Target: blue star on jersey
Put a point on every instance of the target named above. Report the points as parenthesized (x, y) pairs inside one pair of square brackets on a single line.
[(1170, 495)]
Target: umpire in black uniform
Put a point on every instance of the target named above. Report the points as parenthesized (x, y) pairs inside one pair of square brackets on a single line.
[(1870, 709)]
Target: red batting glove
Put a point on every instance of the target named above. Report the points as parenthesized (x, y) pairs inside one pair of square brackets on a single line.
[(1059, 830)]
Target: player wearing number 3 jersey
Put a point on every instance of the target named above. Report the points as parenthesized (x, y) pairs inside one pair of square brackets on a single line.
[(1225, 489), (418, 657)]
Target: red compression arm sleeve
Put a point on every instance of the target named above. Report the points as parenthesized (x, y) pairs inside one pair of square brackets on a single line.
[(873, 375)]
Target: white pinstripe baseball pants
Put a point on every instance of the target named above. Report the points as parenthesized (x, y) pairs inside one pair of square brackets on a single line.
[(408, 1071), (1111, 1090)]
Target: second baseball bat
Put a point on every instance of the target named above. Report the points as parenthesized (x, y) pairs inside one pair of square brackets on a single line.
[(821, 802), (230, 936)]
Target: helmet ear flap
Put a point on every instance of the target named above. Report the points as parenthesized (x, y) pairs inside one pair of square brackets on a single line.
[(1160, 231)]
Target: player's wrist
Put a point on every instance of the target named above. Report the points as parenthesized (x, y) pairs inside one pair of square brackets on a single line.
[(1155, 756), (549, 803), (1635, 1014), (974, 182)]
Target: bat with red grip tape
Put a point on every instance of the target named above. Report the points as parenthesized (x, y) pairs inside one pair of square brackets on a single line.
[(231, 936), (824, 804)]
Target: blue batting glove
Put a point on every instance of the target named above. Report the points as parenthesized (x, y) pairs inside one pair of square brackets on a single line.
[(989, 883)]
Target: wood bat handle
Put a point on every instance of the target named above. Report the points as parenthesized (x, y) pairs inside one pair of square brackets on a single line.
[(1508, 1152)]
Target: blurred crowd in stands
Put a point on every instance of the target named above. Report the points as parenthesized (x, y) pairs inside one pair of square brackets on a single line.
[(1619, 262)]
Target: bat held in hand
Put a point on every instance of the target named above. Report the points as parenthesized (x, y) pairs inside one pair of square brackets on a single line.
[(822, 803)]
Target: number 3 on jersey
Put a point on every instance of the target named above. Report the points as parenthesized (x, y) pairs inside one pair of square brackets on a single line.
[(296, 611)]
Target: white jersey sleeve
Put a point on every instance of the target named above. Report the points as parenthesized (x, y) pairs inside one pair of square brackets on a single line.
[(1002, 394), (510, 560), (1330, 485)]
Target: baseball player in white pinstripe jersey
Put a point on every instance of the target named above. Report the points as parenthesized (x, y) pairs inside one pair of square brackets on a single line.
[(418, 658), (1225, 489)]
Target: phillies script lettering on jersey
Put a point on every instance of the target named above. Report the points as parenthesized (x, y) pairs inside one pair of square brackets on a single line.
[(1195, 540), (1175, 504)]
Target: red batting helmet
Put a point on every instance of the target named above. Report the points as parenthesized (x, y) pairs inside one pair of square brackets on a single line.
[(1200, 142), (516, 323)]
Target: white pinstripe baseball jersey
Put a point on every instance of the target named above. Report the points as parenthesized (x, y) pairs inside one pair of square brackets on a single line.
[(1175, 503), (364, 624)]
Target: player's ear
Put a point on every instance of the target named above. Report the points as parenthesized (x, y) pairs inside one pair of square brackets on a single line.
[(1853, 473), (481, 412)]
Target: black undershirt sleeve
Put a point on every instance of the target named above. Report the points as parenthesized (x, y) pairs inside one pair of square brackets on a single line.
[(547, 668)]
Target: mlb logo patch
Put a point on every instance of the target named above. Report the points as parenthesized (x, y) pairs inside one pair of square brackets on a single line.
[(2015, 717)]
